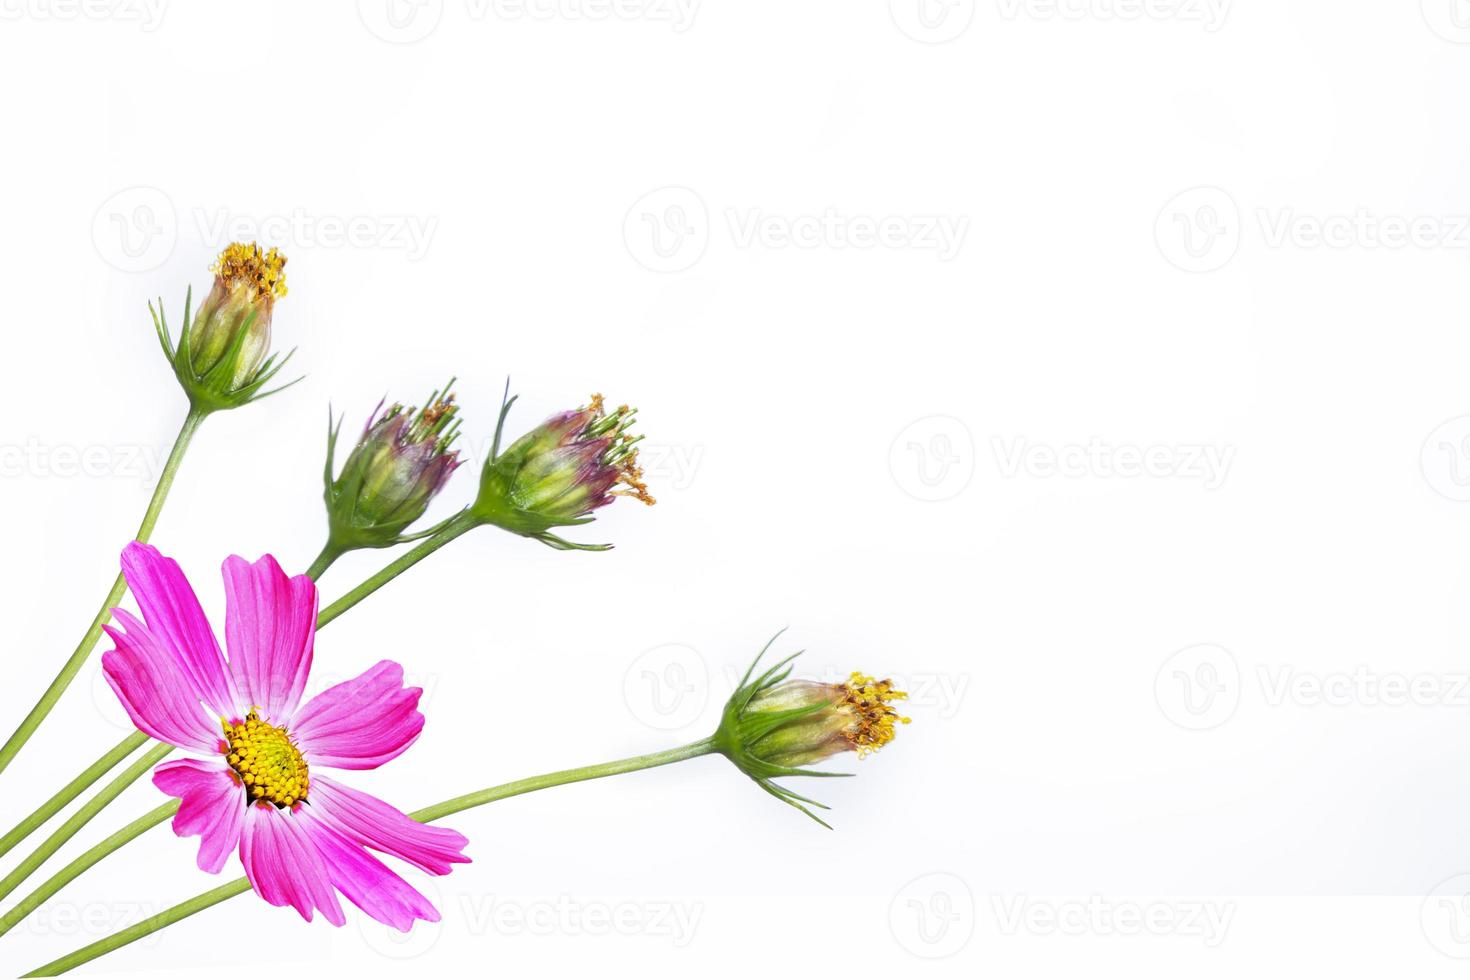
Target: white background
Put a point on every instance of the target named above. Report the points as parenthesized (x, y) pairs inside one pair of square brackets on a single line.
[(1096, 370)]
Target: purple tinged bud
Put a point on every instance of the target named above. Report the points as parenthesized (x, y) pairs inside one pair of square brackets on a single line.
[(561, 471), (400, 463)]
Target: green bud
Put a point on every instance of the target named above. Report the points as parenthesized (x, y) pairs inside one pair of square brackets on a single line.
[(560, 472), (222, 357), (774, 726), (400, 463)]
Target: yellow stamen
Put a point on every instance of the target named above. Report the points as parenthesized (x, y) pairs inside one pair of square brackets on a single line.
[(267, 761), (263, 271), (868, 700)]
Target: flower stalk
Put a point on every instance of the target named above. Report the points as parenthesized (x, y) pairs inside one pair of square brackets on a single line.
[(73, 664), (240, 885)]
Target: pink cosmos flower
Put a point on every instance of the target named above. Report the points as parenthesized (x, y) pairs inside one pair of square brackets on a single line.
[(302, 836)]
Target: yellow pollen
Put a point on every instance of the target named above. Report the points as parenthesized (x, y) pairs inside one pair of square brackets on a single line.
[(266, 760), (868, 699), (263, 271), (630, 474)]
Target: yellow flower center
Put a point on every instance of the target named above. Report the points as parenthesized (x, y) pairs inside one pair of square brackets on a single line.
[(263, 271), (868, 699), (266, 761)]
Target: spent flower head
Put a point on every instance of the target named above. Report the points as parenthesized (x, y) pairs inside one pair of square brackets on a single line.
[(400, 463), (774, 726), (222, 356), (560, 472)]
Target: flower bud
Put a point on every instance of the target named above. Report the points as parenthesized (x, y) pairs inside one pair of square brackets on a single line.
[(560, 472), (773, 727), (223, 357), (400, 463)]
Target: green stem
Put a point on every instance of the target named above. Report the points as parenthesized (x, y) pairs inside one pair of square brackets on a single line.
[(78, 820), (452, 529), (88, 858), (240, 885), (72, 790), (329, 554), (74, 663)]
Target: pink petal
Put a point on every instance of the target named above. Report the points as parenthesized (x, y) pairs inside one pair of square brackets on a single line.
[(270, 626), (174, 616), (361, 723), (373, 823), (367, 882), (284, 866), (153, 689), (211, 804)]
